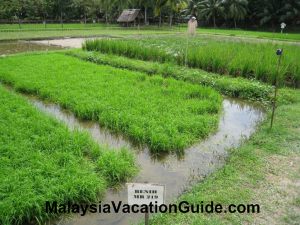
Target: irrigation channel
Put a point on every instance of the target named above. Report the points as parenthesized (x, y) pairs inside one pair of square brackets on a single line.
[(178, 172)]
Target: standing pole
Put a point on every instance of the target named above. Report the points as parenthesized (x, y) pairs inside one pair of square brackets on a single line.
[(279, 53), (186, 50), (147, 217)]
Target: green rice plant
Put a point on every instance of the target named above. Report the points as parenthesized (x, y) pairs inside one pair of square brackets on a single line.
[(233, 87), (116, 165), (126, 48), (41, 160), (243, 59), (148, 110)]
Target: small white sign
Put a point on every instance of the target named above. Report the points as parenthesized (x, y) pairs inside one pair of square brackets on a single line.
[(140, 194)]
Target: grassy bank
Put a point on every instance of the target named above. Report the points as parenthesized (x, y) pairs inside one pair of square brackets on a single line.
[(241, 59), (230, 86), (62, 33), (164, 114), (292, 36), (41, 160), (244, 177), (54, 26)]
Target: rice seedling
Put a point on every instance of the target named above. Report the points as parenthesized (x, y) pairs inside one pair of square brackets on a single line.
[(233, 87), (242, 59), (164, 114), (41, 160)]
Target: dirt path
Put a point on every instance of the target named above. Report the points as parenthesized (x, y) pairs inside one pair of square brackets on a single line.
[(279, 193)]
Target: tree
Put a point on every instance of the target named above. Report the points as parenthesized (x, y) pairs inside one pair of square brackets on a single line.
[(146, 4), (174, 7), (191, 8), (210, 9), (270, 12), (107, 6), (158, 9), (95, 8), (237, 10), (291, 11), (82, 6)]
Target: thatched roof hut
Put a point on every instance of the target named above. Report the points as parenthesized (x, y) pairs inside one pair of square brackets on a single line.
[(129, 16)]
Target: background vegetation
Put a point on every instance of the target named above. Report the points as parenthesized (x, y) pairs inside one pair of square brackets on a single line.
[(225, 13)]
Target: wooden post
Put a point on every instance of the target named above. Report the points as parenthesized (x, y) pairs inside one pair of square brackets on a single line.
[(147, 218), (186, 50), (279, 53)]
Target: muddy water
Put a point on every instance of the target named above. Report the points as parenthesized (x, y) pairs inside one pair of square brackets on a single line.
[(237, 123), (12, 47), (69, 42), (64, 42)]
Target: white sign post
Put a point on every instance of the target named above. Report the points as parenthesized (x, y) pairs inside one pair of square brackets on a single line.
[(145, 194)]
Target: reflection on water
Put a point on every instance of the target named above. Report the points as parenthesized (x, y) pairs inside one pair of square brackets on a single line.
[(237, 122), (12, 47)]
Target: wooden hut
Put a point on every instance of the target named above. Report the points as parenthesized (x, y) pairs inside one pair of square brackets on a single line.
[(129, 17)]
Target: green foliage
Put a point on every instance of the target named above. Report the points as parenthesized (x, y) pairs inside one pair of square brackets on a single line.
[(41, 160), (127, 48), (233, 87), (116, 165), (150, 110), (210, 9), (235, 58)]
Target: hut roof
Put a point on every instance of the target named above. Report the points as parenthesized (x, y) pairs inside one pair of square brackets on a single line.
[(128, 15)]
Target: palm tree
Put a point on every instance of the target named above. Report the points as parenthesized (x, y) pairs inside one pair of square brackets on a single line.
[(210, 9), (291, 11), (270, 12), (192, 7), (237, 9), (175, 6), (158, 9), (143, 4)]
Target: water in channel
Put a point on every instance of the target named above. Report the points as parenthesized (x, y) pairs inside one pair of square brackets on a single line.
[(177, 173)]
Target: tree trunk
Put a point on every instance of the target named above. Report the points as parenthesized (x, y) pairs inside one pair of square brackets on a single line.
[(84, 18), (159, 18), (61, 19), (171, 19), (145, 15), (106, 19), (19, 21), (45, 23), (214, 18), (234, 23)]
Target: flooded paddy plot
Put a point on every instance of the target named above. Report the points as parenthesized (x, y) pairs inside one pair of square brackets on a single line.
[(41, 160), (64, 42), (163, 114), (177, 172), (12, 47)]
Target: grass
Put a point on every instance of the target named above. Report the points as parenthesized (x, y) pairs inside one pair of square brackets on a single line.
[(245, 172), (39, 27), (41, 160), (164, 114), (58, 33), (230, 86), (291, 36), (54, 26), (240, 59)]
